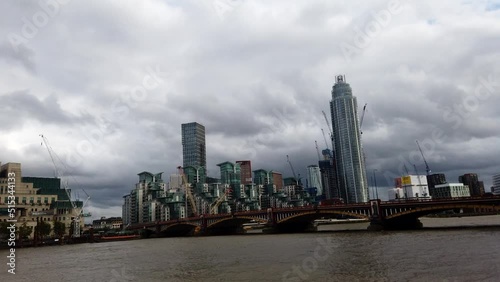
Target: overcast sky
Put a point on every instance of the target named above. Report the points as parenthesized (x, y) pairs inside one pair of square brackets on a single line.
[(109, 83)]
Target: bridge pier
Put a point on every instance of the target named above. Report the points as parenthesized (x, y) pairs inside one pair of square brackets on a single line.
[(376, 225), (146, 233), (395, 224)]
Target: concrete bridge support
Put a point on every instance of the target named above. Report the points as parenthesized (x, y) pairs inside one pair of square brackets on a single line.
[(292, 227), (407, 223)]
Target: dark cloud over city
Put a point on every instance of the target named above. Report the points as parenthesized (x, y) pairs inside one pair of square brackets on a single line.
[(109, 83)]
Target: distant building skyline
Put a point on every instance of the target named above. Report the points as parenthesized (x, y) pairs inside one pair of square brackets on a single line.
[(347, 147)]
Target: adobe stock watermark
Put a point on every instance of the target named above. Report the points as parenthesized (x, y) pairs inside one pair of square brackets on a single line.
[(455, 116), (364, 36), (222, 7), (118, 110), (311, 263), (11, 212), (31, 26)]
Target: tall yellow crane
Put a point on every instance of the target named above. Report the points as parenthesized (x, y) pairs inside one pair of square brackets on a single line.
[(215, 206), (189, 193)]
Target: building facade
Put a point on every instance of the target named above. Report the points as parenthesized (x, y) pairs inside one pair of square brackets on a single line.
[(277, 180), (137, 205), (126, 219), (496, 184), (193, 145), (451, 190), (37, 199), (395, 193), (472, 180), (415, 187), (347, 148), (246, 172), (435, 179), (314, 179), (107, 223), (328, 175)]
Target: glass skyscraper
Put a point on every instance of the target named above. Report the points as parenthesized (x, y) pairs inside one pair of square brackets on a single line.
[(347, 148), (193, 145), (314, 177)]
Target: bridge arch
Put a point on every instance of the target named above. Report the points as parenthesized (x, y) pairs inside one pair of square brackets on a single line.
[(313, 215), (230, 225), (179, 229)]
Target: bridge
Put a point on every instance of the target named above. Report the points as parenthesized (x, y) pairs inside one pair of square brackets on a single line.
[(402, 214)]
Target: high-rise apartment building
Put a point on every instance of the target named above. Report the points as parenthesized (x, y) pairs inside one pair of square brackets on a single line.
[(347, 148), (328, 175), (277, 180), (193, 145), (246, 172), (471, 179), (435, 179), (314, 178)]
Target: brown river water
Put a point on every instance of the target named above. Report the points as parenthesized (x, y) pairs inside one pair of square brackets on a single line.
[(430, 254)]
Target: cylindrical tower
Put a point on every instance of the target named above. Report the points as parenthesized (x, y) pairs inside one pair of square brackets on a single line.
[(348, 151)]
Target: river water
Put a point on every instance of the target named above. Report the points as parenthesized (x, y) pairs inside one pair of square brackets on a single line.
[(469, 254)]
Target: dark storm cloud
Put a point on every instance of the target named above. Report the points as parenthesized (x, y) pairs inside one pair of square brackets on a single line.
[(257, 76)]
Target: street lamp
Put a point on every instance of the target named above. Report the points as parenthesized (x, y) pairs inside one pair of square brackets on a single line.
[(375, 180)]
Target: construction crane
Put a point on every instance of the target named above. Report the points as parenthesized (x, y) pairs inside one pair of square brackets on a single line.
[(324, 137), (88, 214), (291, 166), (406, 169), (317, 150), (215, 206), (362, 118), (76, 211), (189, 194), (419, 181), (329, 126), (293, 171), (427, 169)]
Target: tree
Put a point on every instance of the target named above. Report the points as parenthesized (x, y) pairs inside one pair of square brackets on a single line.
[(59, 230), (44, 229), (24, 231), (3, 229)]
